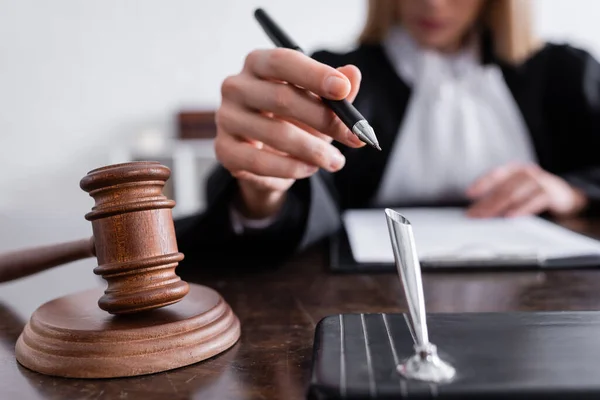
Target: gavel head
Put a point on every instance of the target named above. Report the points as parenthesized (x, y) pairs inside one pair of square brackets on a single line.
[(134, 237)]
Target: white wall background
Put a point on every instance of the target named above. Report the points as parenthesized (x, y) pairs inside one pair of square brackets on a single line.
[(78, 78)]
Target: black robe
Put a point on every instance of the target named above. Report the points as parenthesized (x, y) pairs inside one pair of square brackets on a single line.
[(557, 91)]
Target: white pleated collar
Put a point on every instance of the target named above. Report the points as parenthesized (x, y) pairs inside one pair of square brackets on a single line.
[(461, 122)]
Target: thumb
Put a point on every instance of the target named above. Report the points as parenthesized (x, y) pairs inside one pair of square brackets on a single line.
[(354, 76)]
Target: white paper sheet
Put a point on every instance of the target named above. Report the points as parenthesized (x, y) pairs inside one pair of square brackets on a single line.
[(447, 233)]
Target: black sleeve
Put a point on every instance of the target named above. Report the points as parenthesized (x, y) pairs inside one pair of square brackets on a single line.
[(574, 120), (309, 214), (209, 237)]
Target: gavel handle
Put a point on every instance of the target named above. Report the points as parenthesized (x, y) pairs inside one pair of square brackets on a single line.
[(20, 263)]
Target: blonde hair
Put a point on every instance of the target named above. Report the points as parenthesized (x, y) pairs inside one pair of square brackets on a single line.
[(509, 21)]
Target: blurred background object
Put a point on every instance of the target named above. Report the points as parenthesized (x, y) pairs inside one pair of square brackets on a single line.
[(84, 84)]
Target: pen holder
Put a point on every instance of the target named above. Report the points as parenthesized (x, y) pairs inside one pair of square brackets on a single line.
[(425, 364)]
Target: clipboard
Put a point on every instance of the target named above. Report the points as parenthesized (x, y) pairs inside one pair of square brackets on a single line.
[(341, 260), (513, 355)]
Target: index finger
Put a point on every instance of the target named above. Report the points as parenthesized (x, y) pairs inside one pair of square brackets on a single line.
[(298, 69)]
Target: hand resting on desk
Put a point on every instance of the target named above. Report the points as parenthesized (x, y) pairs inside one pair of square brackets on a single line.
[(515, 189)]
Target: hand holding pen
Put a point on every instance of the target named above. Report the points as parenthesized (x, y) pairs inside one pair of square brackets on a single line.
[(271, 132)]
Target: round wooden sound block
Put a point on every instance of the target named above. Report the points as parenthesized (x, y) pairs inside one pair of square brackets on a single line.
[(72, 337)]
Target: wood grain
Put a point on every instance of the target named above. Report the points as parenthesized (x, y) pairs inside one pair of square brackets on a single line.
[(278, 311), (157, 323), (21, 263), (71, 337), (135, 238)]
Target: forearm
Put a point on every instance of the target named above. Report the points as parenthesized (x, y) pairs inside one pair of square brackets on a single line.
[(308, 215), (216, 234)]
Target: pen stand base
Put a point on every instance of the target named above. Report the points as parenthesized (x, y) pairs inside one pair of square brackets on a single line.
[(426, 365), (72, 337)]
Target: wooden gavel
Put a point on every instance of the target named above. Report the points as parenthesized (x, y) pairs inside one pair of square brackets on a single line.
[(133, 240)]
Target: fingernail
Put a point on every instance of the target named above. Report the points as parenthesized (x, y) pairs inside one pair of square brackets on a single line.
[(335, 86), (337, 161), (353, 139), (310, 169)]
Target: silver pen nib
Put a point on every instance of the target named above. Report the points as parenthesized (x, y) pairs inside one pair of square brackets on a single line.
[(425, 364), (365, 132)]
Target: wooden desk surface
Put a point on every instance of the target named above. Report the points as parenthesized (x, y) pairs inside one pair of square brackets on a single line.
[(278, 311)]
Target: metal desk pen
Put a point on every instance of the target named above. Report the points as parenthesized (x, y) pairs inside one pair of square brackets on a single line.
[(425, 364)]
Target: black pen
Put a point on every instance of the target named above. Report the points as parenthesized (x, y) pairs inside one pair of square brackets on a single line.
[(342, 108)]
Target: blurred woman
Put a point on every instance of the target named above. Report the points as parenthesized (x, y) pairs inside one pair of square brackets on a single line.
[(469, 108)]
